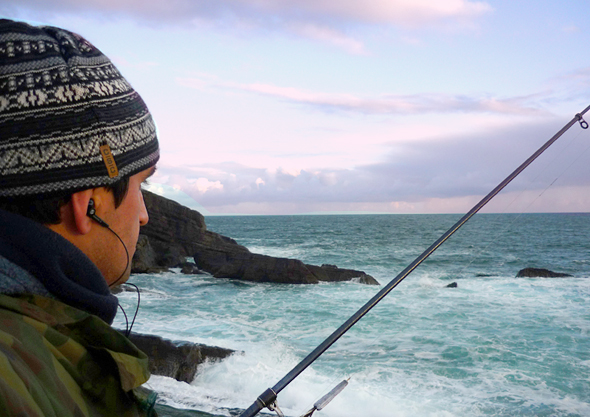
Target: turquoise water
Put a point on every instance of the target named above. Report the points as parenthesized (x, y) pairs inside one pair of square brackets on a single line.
[(494, 346)]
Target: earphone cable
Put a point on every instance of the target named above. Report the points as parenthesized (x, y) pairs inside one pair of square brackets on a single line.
[(126, 253), (128, 332)]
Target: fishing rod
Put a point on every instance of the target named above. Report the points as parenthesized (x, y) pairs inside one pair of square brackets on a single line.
[(268, 398)]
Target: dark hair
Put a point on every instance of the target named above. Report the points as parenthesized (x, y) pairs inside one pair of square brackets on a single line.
[(46, 210)]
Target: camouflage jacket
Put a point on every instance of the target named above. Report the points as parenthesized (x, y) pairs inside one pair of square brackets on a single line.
[(58, 354), (56, 360)]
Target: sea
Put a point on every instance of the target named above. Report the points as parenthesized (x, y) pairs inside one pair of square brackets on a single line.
[(495, 345)]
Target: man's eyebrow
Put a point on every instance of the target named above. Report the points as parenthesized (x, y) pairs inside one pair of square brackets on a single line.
[(152, 172)]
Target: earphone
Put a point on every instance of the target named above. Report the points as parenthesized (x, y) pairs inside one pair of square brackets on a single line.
[(91, 212)]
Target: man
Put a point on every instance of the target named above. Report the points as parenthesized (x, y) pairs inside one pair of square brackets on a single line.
[(76, 143)]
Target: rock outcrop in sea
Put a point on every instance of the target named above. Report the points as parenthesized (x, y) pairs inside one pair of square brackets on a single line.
[(540, 273), (175, 232), (178, 360)]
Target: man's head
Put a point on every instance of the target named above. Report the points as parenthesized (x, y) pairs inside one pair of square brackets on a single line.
[(72, 129)]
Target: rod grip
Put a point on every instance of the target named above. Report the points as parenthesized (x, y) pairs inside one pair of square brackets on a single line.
[(266, 398)]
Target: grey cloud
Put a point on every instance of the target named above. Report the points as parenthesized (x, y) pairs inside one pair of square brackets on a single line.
[(458, 167)]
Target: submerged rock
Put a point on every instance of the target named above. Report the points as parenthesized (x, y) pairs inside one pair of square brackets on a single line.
[(189, 268), (540, 273), (178, 360), (332, 273)]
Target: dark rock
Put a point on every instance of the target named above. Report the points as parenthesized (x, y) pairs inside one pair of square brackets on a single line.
[(190, 269), (173, 257), (332, 273), (178, 360), (175, 232), (144, 258), (174, 228), (253, 267), (452, 285), (540, 273), (367, 279), (261, 268), (118, 289)]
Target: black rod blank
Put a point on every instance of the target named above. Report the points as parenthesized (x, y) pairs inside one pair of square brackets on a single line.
[(269, 396)]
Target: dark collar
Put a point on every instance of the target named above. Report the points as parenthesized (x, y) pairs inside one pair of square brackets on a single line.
[(66, 272)]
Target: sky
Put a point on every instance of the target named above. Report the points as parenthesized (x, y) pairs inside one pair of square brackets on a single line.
[(349, 106)]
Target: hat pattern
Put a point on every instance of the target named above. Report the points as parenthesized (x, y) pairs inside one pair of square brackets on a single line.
[(60, 100)]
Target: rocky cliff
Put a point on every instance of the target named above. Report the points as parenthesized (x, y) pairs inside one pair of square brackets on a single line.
[(175, 232), (178, 360)]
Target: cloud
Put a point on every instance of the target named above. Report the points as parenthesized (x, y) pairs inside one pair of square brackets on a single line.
[(571, 29), (449, 173), (383, 104), (324, 20), (396, 12), (400, 12), (330, 36), (579, 77), (123, 62), (202, 185)]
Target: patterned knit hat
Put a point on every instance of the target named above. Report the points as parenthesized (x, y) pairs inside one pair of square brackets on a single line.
[(68, 120)]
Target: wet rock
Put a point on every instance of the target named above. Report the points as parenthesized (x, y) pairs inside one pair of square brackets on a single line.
[(178, 360), (172, 258), (452, 285), (175, 232), (261, 268), (190, 268), (145, 258), (540, 273), (332, 273)]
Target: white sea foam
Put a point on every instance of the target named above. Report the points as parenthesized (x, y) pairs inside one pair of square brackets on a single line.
[(495, 345)]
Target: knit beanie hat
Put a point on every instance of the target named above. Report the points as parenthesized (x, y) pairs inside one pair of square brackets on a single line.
[(68, 120)]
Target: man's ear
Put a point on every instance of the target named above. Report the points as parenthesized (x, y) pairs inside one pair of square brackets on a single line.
[(79, 204)]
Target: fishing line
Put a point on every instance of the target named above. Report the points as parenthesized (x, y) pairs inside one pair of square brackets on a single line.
[(268, 398), (566, 169), (544, 169), (518, 217), (473, 254)]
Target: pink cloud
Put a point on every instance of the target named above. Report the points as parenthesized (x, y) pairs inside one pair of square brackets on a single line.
[(383, 104), (398, 12), (395, 104), (322, 20), (404, 12)]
